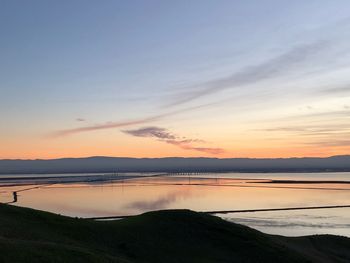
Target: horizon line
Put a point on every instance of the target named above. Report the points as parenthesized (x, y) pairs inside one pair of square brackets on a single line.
[(175, 157)]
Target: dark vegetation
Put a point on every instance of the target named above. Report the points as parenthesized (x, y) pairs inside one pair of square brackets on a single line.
[(28, 235)]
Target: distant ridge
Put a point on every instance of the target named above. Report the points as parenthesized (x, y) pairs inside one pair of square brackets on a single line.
[(175, 164)]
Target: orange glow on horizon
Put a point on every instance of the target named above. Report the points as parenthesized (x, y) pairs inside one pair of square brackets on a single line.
[(151, 152), (108, 144)]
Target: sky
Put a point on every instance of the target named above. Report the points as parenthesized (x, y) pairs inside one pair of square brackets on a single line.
[(253, 78)]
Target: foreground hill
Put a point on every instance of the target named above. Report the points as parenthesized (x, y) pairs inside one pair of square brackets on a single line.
[(117, 164), (28, 235)]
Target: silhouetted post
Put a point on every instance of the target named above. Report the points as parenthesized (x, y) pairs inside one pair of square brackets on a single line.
[(14, 197)]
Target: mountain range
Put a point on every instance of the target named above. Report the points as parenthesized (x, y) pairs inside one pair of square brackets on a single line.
[(175, 164)]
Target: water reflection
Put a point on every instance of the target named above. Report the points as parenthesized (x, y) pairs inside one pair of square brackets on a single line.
[(298, 223), (136, 195), (161, 202), (15, 198)]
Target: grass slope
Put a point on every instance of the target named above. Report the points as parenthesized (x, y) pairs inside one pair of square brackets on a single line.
[(28, 235)]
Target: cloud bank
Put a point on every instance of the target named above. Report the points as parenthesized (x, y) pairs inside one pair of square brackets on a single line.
[(164, 135)]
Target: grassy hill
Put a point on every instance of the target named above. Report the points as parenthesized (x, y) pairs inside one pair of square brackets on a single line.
[(28, 235)]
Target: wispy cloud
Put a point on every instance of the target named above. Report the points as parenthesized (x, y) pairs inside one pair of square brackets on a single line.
[(155, 132), (324, 135), (331, 142), (126, 123), (165, 136), (108, 125), (120, 124), (186, 145), (337, 90), (281, 65)]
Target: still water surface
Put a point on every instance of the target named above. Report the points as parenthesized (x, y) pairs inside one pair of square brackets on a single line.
[(132, 194)]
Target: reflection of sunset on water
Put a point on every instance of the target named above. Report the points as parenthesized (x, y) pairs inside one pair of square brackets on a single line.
[(200, 193)]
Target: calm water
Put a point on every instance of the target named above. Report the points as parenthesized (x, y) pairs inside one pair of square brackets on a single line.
[(130, 194)]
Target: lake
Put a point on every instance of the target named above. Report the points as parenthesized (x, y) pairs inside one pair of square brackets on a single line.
[(94, 195)]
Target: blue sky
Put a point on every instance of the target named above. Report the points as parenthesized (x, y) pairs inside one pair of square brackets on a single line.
[(227, 73)]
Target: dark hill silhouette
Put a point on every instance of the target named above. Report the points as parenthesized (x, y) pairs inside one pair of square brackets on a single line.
[(171, 164), (171, 236)]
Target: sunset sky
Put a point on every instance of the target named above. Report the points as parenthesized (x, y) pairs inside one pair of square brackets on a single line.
[(256, 78)]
